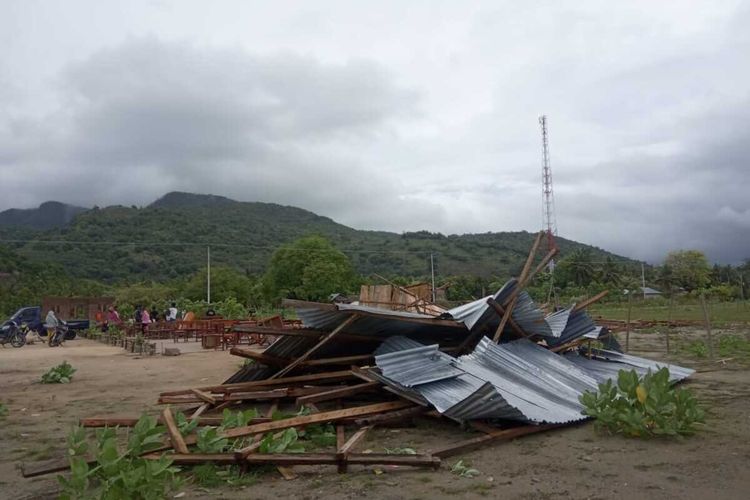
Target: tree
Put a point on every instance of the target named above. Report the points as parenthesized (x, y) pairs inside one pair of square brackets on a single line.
[(577, 268), (690, 269), (309, 269), (226, 283)]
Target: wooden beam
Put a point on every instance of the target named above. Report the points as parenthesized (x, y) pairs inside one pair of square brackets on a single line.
[(358, 436), (596, 298), (302, 332), (501, 435), (391, 416), (246, 352), (405, 319), (94, 422), (178, 443), (302, 459), (344, 324), (329, 416), (206, 397), (200, 411), (337, 393), (331, 377), (291, 392), (500, 311), (342, 360)]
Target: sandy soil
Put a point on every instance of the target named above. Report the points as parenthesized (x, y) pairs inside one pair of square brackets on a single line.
[(575, 462)]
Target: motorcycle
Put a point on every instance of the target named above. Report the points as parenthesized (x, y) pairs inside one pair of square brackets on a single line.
[(57, 337), (11, 333)]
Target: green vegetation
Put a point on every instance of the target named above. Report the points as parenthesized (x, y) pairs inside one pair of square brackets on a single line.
[(60, 374), (120, 471), (688, 309), (119, 474), (464, 470), (726, 346), (3, 410), (643, 406), (309, 269)]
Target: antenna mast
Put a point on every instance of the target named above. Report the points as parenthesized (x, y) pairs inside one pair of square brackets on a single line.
[(548, 196)]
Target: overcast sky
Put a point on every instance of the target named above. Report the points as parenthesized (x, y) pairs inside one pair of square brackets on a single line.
[(396, 115)]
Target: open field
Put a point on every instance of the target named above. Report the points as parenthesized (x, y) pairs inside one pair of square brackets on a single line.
[(719, 312), (574, 462)]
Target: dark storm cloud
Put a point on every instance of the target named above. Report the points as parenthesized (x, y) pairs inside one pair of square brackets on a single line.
[(147, 117), (397, 119)]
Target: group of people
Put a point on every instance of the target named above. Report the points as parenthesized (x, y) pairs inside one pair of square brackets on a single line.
[(144, 317), (141, 317)]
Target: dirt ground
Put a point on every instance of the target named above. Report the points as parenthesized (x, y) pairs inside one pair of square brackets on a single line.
[(574, 462)]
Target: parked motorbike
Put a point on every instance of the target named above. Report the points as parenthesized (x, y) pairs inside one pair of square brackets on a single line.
[(10, 332), (57, 337)]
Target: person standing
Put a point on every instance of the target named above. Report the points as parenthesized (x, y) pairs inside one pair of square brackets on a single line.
[(51, 323), (113, 317), (172, 315), (154, 314), (145, 320)]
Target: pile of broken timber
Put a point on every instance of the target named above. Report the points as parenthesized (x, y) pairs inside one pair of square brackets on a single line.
[(349, 399), (343, 390)]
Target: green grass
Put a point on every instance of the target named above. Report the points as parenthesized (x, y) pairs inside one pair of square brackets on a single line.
[(719, 312), (726, 346)]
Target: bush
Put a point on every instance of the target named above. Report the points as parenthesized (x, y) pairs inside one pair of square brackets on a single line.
[(643, 407), (60, 374), (119, 474)]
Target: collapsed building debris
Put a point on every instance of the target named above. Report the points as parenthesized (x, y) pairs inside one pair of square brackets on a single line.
[(499, 364)]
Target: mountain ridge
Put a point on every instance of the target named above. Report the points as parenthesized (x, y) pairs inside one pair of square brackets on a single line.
[(169, 238)]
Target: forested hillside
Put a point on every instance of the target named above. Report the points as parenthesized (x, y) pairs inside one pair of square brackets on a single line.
[(168, 239)]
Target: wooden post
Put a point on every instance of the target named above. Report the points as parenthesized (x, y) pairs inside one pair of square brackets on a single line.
[(348, 321), (627, 323), (521, 281), (669, 322), (178, 443), (708, 326)]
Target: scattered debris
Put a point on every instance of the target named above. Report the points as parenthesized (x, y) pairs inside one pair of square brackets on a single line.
[(499, 364)]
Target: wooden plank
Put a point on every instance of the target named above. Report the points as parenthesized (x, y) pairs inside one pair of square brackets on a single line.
[(329, 416), (405, 319), (117, 421), (521, 280), (246, 352), (292, 392), (344, 324), (340, 440), (303, 332), (206, 397), (200, 410), (353, 441), (596, 298), (331, 377), (174, 433), (342, 392), (500, 311), (391, 416), (286, 459), (501, 435), (343, 360)]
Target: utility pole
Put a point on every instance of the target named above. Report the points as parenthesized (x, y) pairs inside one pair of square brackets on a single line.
[(432, 272), (643, 280), (208, 274)]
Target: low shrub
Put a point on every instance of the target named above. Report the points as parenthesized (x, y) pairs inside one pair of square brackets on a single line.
[(60, 374), (643, 406)]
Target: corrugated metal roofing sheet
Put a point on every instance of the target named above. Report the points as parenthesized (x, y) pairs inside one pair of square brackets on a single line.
[(605, 365), (518, 380)]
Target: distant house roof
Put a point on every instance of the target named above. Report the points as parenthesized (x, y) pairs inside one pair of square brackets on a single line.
[(649, 291)]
